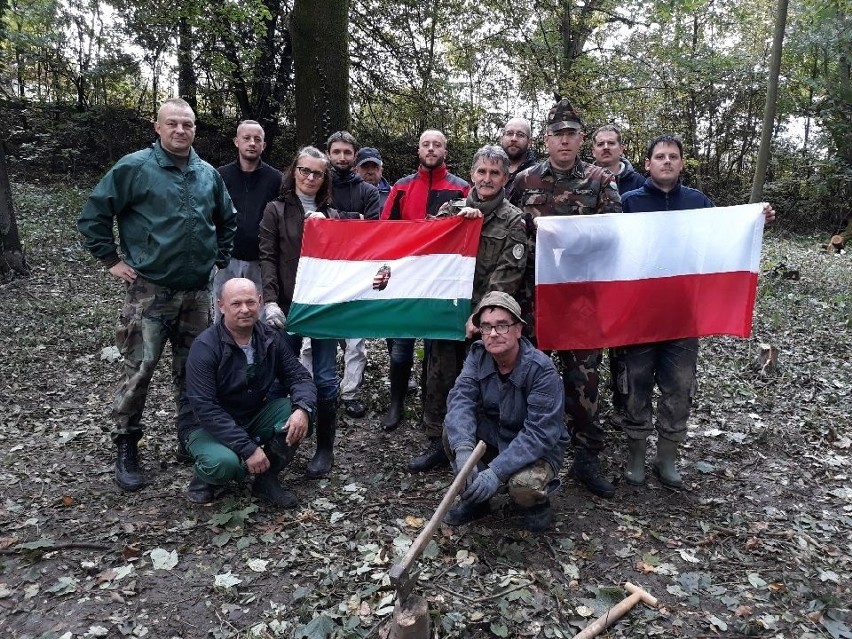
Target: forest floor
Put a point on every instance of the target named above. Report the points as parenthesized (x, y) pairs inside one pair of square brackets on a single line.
[(758, 543)]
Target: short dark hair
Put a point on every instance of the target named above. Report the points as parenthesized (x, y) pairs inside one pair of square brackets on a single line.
[(665, 138), (341, 136), (607, 127), (288, 181)]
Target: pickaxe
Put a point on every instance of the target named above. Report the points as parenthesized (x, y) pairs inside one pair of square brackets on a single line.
[(617, 611)]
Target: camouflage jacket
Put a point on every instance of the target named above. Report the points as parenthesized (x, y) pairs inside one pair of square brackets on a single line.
[(587, 190), (502, 254)]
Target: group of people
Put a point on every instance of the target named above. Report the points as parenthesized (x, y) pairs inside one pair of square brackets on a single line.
[(245, 401)]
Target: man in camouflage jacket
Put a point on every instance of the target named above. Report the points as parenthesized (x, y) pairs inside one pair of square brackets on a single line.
[(563, 184)]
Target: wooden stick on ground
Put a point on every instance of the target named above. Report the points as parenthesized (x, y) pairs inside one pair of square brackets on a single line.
[(617, 611)]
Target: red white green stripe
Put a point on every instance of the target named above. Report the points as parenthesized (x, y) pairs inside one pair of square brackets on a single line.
[(428, 293)]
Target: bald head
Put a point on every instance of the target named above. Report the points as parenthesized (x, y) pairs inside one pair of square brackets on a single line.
[(239, 303), (432, 149), (515, 139)]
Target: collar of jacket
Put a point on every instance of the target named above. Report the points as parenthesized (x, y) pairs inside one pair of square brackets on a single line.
[(656, 190), (164, 160), (344, 177), (578, 170), (437, 173), (260, 331)]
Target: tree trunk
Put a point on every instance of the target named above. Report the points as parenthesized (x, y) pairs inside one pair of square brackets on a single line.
[(13, 253), (321, 65), (187, 82), (771, 99)]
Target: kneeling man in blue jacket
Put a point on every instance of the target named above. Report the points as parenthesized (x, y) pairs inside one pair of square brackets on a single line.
[(509, 395), (228, 421)]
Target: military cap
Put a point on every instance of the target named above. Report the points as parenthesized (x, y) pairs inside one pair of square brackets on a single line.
[(563, 116), (500, 300)]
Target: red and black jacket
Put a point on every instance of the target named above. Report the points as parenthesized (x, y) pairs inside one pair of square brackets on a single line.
[(421, 194)]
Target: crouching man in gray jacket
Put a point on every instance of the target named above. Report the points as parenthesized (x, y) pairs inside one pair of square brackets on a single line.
[(509, 395)]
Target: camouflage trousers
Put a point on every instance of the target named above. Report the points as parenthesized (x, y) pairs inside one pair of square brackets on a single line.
[(671, 366), (153, 315), (529, 486), (580, 379), (444, 363)]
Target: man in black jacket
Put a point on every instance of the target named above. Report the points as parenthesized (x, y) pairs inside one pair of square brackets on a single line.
[(228, 422), (251, 183)]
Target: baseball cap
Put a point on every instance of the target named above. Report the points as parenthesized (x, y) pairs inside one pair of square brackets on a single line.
[(500, 300), (368, 154), (563, 116)]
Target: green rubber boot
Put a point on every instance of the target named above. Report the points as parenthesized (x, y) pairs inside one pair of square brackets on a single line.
[(634, 472), (664, 464)]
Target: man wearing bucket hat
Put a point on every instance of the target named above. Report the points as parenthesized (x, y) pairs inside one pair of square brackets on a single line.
[(510, 396), (563, 184)]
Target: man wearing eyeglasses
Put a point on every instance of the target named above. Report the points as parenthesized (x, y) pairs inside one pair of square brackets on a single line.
[(515, 141), (563, 184), (508, 395)]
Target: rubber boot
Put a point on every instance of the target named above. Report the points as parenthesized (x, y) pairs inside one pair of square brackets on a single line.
[(128, 474), (664, 464), (587, 470), (399, 376), (323, 459), (267, 485), (634, 472)]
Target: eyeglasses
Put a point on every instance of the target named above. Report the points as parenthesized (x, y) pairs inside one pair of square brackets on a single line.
[(306, 172), (515, 134), (501, 329)]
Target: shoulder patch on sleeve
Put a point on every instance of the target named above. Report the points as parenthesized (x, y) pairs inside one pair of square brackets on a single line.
[(518, 251)]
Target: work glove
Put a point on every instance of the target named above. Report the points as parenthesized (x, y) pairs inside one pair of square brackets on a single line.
[(462, 455), (274, 315), (483, 488)]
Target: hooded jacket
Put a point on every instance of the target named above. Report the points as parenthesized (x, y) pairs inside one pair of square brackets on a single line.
[(351, 194)]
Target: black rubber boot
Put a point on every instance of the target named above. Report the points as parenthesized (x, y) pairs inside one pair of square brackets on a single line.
[(128, 474), (267, 485), (587, 470), (399, 376), (432, 458), (323, 459), (199, 491), (538, 518)]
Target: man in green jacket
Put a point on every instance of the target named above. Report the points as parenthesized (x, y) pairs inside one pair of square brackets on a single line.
[(175, 222)]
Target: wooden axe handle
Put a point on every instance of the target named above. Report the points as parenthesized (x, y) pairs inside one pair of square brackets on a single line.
[(429, 530), (617, 611)]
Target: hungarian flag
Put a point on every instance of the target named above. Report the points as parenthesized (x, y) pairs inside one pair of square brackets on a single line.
[(409, 278), (633, 278)]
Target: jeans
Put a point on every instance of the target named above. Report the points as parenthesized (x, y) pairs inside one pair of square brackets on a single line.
[(324, 368), (671, 365)]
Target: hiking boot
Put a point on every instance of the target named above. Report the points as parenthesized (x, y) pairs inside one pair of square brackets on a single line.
[(128, 474), (538, 518), (587, 470), (433, 457), (323, 459), (199, 491), (354, 408), (634, 471), (268, 487), (465, 512), (664, 464)]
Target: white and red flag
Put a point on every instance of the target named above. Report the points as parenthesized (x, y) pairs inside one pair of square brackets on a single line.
[(407, 278), (633, 278)]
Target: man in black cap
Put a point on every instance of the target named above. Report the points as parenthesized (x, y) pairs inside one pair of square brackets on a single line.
[(368, 164), (508, 395), (563, 184)]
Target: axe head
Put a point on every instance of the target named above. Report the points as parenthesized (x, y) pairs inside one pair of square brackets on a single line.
[(403, 581)]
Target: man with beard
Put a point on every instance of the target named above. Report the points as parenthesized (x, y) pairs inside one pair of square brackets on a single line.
[(251, 184), (350, 194), (515, 141), (415, 197), (501, 259)]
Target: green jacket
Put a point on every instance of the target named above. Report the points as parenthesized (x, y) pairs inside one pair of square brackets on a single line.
[(173, 224)]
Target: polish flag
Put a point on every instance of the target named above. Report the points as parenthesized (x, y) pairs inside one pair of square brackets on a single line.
[(400, 278), (633, 278)]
